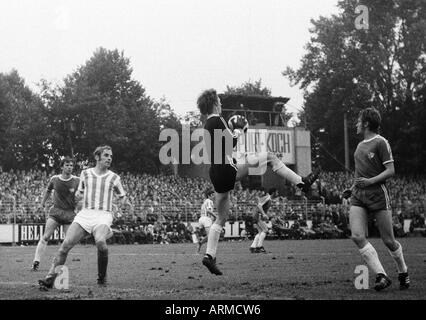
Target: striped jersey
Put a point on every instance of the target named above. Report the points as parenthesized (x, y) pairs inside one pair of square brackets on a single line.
[(98, 189), (207, 207)]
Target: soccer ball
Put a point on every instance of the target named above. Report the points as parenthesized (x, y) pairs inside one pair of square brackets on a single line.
[(238, 122)]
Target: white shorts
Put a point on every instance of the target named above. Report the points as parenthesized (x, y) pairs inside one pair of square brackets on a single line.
[(206, 222), (89, 220)]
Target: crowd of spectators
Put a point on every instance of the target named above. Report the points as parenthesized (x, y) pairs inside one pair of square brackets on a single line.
[(169, 200)]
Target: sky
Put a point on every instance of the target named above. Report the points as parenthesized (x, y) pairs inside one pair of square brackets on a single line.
[(177, 48)]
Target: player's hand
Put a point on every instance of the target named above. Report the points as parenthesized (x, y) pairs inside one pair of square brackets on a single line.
[(362, 182), (347, 193)]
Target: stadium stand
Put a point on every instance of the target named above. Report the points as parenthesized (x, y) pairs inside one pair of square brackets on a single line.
[(162, 203)]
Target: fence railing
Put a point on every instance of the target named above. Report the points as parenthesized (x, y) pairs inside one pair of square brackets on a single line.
[(30, 211), (25, 212)]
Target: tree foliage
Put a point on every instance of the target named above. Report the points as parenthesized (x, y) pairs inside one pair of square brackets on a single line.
[(345, 70), (99, 103), (249, 88), (23, 125)]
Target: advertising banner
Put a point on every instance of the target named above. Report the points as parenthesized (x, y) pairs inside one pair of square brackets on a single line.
[(255, 141), (33, 232)]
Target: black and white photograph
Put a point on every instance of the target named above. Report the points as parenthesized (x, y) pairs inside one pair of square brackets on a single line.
[(211, 157)]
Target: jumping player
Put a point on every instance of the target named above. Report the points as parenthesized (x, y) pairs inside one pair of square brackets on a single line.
[(374, 164), (224, 170), (62, 212), (97, 186), (206, 217), (260, 218)]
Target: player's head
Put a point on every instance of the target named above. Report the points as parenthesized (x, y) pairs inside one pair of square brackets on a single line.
[(273, 192), (67, 165), (368, 119), (208, 102), (103, 156)]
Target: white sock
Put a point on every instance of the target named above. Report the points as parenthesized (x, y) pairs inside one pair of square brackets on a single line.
[(213, 239), (41, 247), (372, 259), (399, 259), (261, 238), (283, 171), (255, 241)]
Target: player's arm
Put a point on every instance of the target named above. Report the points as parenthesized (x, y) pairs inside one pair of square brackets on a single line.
[(260, 205), (47, 193), (388, 173), (118, 187), (229, 134), (382, 177), (80, 189)]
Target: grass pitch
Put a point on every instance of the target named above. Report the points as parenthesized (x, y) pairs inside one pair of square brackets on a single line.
[(310, 269)]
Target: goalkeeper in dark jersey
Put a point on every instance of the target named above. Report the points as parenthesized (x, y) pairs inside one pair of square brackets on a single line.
[(224, 170)]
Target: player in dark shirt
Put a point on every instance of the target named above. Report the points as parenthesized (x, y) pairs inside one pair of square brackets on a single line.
[(62, 212), (369, 196), (224, 170)]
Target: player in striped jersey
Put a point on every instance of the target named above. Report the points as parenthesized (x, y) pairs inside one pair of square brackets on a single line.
[(369, 196), (206, 217), (260, 219), (62, 212), (96, 187)]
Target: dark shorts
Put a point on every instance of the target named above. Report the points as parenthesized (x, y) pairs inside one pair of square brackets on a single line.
[(374, 198), (223, 177), (61, 216)]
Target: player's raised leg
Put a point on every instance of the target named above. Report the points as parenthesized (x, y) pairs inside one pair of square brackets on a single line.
[(256, 164), (101, 233), (74, 235), (50, 227), (384, 223), (358, 221)]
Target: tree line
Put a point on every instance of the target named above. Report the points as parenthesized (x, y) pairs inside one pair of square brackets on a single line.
[(99, 103), (342, 71), (345, 70)]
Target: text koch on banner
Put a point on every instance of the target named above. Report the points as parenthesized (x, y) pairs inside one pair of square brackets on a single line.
[(279, 142)]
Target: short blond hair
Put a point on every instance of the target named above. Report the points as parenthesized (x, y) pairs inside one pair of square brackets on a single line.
[(98, 151)]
